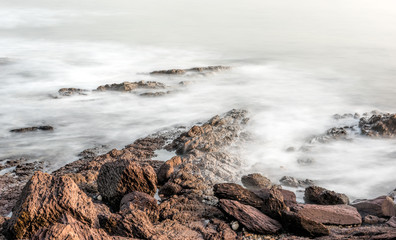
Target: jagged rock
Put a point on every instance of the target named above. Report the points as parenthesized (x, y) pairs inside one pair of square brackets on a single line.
[(130, 86), (170, 189), (330, 214), (302, 226), (294, 182), (44, 200), (143, 202), (250, 217), (273, 202), (322, 196), (32, 129), (236, 192), (392, 222), (255, 181), (72, 91), (381, 125), (381, 207), (70, 229), (118, 178), (167, 169), (173, 230)]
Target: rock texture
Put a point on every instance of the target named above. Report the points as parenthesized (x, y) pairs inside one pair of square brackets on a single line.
[(116, 179), (322, 196), (330, 214), (72, 91), (381, 207), (209, 69), (250, 217), (380, 125), (130, 86), (294, 182), (143, 202), (303, 226)]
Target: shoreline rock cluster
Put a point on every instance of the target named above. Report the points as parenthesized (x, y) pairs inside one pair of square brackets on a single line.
[(124, 194)]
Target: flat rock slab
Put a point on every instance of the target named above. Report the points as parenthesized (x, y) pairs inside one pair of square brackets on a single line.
[(330, 214), (250, 217), (381, 207)]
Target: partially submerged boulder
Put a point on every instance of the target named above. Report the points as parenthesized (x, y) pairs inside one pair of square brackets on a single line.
[(379, 125), (44, 200), (118, 178), (255, 181), (250, 217), (294, 182), (322, 196), (381, 206), (130, 86)]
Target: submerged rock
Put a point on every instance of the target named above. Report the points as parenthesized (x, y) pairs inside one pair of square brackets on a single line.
[(130, 86), (322, 196), (294, 182), (196, 69), (72, 91), (31, 129), (255, 181), (381, 125)]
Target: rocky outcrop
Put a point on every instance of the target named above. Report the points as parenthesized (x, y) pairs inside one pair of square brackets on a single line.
[(143, 202), (116, 179), (330, 214), (381, 207), (380, 125), (209, 69), (250, 217), (130, 86), (322, 196), (236, 192), (32, 129), (44, 200), (294, 182), (255, 181), (72, 91)]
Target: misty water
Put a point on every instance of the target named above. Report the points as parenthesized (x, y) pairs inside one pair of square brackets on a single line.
[(294, 65)]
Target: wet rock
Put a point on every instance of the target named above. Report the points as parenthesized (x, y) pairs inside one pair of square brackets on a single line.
[(130, 86), (380, 125), (32, 129), (250, 217), (370, 219), (154, 94), (71, 229), (72, 91), (255, 181), (330, 214), (381, 207), (302, 226), (196, 69), (236, 192), (167, 169), (273, 202), (143, 202), (44, 200), (118, 178), (391, 222), (322, 196), (294, 182)]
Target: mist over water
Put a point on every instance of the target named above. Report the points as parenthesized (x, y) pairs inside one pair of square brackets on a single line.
[(295, 64)]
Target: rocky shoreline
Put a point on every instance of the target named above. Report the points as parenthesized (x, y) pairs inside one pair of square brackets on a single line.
[(125, 194)]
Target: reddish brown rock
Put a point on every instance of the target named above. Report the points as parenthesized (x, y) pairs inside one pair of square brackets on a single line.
[(322, 196), (70, 229), (381, 207), (391, 222), (370, 219), (379, 125), (236, 192), (116, 179), (130, 86), (255, 181), (167, 169), (289, 197), (302, 226), (170, 189), (143, 202), (273, 202), (250, 217), (330, 214), (44, 200)]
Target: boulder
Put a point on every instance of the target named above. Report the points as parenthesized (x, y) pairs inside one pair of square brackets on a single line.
[(250, 217), (381, 206), (167, 169), (170, 189), (294, 182), (118, 178), (44, 200), (70, 229), (255, 181), (273, 202), (322, 196), (143, 202), (302, 226), (330, 214), (236, 192)]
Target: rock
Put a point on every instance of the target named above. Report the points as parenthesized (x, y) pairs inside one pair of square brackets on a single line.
[(250, 217), (31, 129), (255, 181), (370, 219), (170, 71), (196, 69), (294, 182), (381, 207), (118, 178), (322, 196), (70, 229), (273, 202), (173, 230), (170, 189), (302, 226), (289, 197), (143, 202), (379, 125), (167, 169), (330, 214), (72, 91), (236, 192), (44, 200), (130, 86), (154, 94), (391, 222)]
